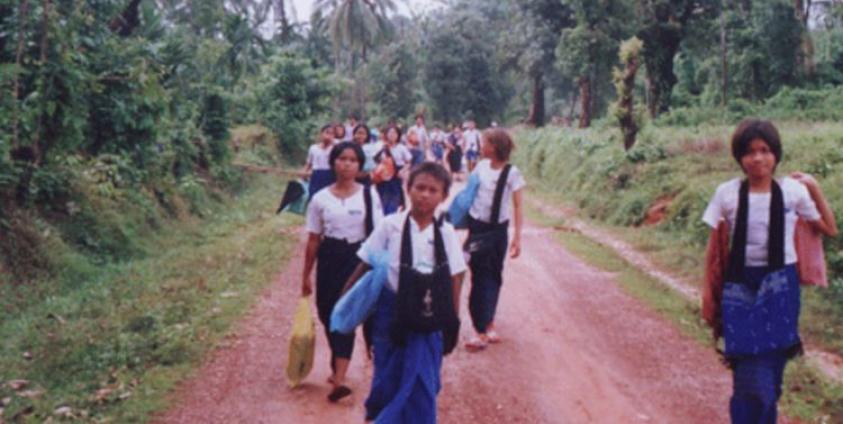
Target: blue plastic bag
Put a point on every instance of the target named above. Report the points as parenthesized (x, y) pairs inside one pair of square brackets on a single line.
[(358, 303), (458, 211)]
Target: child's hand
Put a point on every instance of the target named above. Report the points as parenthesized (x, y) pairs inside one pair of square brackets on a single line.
[(515, 249), (804, 178), (306, 287)]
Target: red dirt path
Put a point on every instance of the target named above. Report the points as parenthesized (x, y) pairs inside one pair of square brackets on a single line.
[(576, 349)]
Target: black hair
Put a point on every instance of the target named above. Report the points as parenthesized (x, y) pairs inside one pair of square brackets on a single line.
[(341, 127), (392, 127), (751, 129), (325, 127), (435, 170), (368, 132), (341, 147)]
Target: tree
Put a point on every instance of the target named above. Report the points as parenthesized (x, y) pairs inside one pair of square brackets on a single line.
[(586, 52), (460, 74), (392, 76), (289, 93), (354, 24), (531, 46), (663, 28), (624, 108)]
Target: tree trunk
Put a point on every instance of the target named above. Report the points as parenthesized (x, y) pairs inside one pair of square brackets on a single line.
[(724, 61), (283, 22), (806, 47), (537, 111), (129, 19), (37, 140), (23, 10), (585, 101)]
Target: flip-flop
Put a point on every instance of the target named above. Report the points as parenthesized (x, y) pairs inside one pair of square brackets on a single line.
[(493, 337), (476, 344), (338, 393)]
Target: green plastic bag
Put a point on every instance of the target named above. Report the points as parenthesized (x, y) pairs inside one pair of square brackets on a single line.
[(302, 344)]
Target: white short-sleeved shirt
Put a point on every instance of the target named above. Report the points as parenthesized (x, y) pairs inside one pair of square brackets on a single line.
[(387, 236), (797, 203), (421, 131), (370, 150), (481, 209), (401, 154), (343, 219), (349, 133), (319, 157), (472, 140)]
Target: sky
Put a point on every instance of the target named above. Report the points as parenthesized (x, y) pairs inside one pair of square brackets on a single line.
[(304, 7)]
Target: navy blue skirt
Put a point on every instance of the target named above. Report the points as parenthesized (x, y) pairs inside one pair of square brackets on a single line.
[(760, 314), (406, 378)]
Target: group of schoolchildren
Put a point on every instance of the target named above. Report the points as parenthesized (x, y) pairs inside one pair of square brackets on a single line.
[(352, 215), (369, 196)]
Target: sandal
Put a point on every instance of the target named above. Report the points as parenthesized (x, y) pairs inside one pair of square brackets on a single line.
[(338, 393), (476, 344), (493, 337)]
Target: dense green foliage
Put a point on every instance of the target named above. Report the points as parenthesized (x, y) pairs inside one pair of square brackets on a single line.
[(126, 106)]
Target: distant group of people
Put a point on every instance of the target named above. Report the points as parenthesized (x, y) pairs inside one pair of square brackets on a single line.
[(360, 205)]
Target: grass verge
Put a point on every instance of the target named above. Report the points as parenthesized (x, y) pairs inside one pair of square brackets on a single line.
[(109, 347), (807, 395)]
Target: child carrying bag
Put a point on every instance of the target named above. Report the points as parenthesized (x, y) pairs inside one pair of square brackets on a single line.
[(425, 301), (484, 241), (302, 344)]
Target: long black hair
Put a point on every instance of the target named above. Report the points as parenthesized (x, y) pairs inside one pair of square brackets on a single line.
[(368, 132)]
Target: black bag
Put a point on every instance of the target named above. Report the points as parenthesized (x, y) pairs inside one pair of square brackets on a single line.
[(425, 301), (484, 241)]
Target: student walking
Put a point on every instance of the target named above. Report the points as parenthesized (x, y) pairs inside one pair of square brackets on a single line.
[(758, 314), (362, 136), (423, 137), (500, 185), (455, 152), (317, 164), (473, 141), (416, 317), (437, 144), (391, 190), (339, 218)]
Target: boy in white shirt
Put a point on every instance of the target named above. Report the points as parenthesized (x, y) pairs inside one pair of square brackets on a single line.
[(416, 318)]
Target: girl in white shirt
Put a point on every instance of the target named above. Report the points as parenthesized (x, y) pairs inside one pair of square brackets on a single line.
[(391, 191), (488, 224), (339, 218), (317, 165), (363, 137), (760, 301)]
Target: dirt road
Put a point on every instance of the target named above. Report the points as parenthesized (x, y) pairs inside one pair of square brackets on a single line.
[(576, 349)]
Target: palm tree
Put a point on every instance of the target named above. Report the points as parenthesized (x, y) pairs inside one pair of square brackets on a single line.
[(355, 24)]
